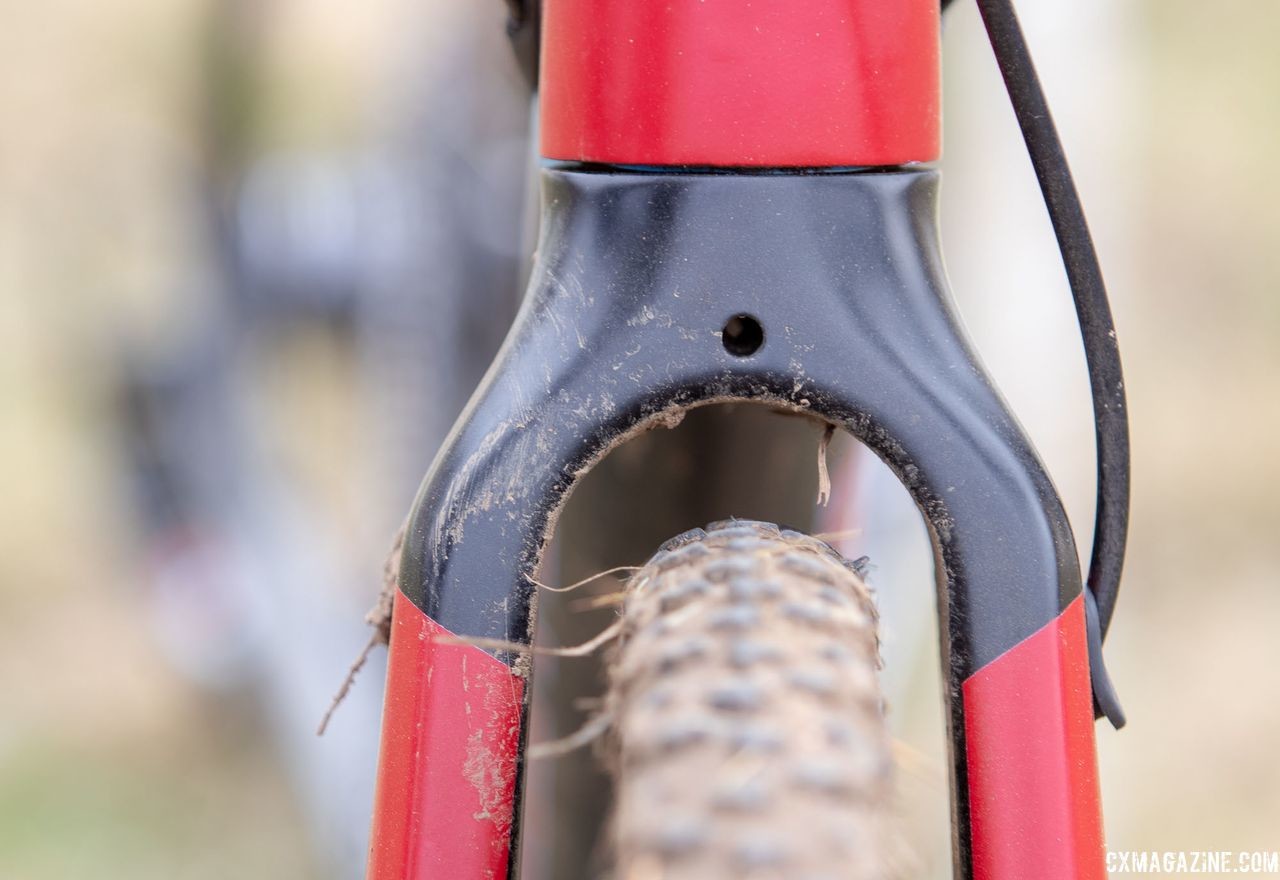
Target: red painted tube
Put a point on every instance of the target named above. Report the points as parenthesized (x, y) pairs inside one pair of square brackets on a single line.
[(776, 83), (1034, 807), (446, 774)]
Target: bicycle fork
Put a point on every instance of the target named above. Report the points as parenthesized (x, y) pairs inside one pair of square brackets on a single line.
[(818, 289)]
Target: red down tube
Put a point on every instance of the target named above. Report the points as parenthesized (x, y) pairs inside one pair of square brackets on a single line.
[(446, 775), (1034, 807), (781, 83)]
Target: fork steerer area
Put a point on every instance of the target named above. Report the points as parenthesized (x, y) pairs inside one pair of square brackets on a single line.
[(815, 292)]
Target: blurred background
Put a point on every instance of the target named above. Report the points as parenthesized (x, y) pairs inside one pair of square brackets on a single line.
[(234, 237)]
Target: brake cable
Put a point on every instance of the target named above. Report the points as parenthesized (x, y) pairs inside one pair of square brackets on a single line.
[(1097, 331)]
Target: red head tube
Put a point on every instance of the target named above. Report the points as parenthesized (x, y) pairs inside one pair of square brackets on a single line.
[(762, 83)]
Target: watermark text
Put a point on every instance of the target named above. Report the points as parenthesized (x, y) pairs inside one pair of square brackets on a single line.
[(1193, 862)]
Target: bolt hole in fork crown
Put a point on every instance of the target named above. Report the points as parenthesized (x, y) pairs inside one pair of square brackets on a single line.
[(742, 336), (634, 266)]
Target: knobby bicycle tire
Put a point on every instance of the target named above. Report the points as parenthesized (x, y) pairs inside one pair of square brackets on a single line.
[(748, 735)]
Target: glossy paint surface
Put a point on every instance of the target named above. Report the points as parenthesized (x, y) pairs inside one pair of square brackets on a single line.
[(806, 83), (447, 771), (1032, 764)]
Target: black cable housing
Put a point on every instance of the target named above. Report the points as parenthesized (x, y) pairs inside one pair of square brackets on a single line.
[(1102, 354), (1097, 328)]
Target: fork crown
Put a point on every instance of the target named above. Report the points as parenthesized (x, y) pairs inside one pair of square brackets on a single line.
[(638, 277)]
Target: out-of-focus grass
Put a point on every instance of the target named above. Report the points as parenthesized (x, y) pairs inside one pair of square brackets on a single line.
[(110, 764), (203, 808)]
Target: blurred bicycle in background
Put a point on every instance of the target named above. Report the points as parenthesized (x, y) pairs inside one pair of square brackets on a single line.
[(391, 270)]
